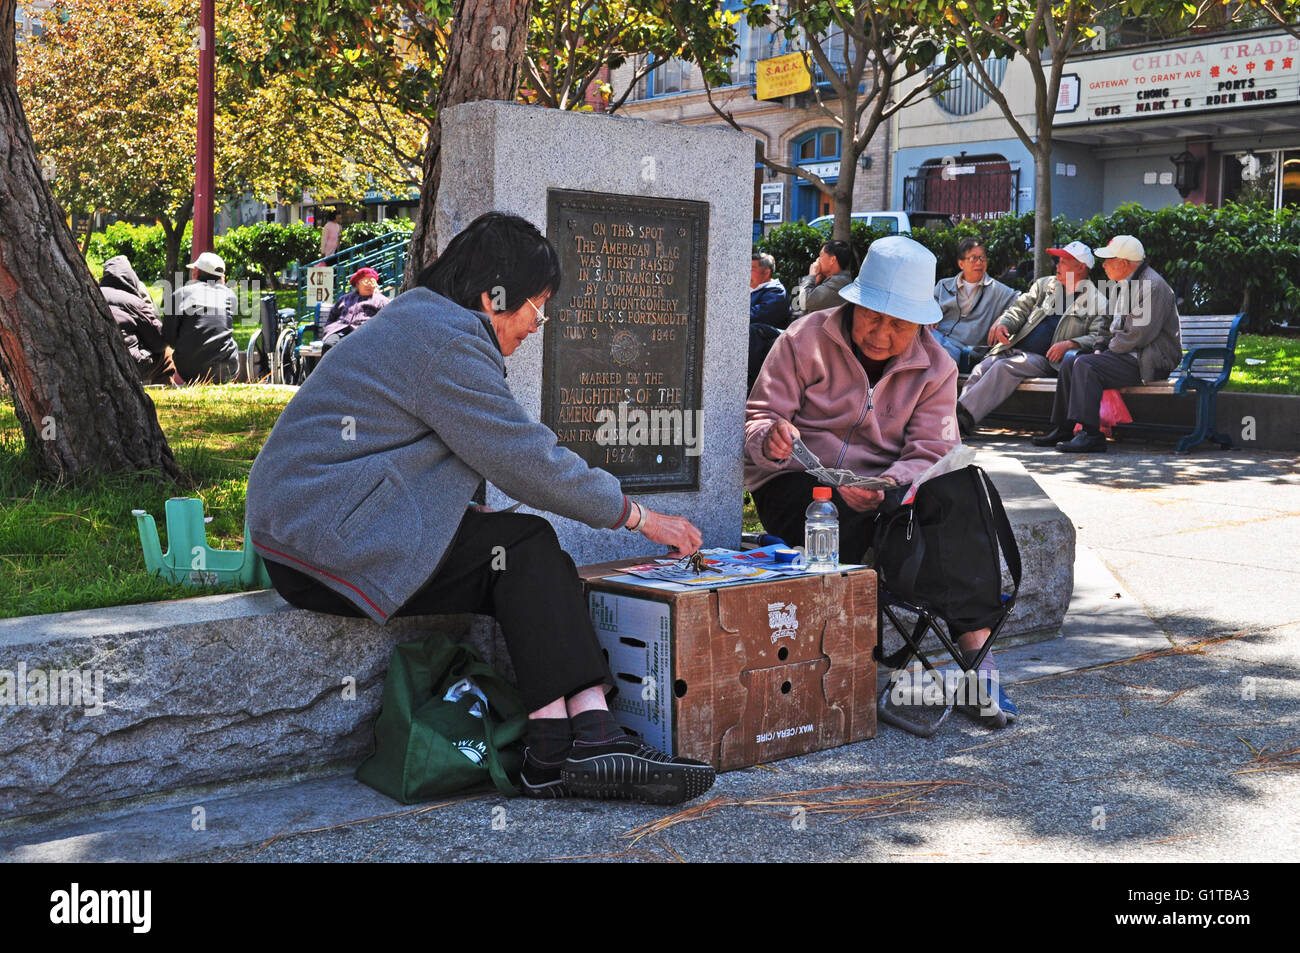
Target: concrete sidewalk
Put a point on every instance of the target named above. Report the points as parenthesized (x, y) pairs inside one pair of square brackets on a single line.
[(1153, 759)]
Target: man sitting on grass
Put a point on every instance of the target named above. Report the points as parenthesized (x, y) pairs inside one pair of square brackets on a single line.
[(199, 325)]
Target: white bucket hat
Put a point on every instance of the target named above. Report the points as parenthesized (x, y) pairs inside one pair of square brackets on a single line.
[(210, 263), (897, 279)]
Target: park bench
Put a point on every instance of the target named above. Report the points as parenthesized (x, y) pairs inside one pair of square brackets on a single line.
[(1209, 350)]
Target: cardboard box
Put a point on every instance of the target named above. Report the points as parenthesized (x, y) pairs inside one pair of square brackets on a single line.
[(741, 674)]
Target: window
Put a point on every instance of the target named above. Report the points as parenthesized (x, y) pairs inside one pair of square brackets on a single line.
[(821, 145), (1270, 178), (673, 77), (752, 43), (962, 95)]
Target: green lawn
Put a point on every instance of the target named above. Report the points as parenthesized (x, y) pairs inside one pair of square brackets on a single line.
[(1278, 374), (66, 547)]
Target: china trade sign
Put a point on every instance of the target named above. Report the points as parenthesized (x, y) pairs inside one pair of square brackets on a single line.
[(1224, 74)]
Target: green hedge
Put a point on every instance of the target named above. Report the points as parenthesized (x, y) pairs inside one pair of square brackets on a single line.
[(256, 251), (1213, 257), (144, 245), (263, 249), (794, 245), (359, 232)]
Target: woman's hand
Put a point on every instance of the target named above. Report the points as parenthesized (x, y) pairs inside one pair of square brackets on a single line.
[(861, 500), (778, 444), (675, 531)]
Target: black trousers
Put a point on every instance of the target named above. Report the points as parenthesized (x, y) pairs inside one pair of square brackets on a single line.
[(331, 340), (1082, 380), (781, 503), (509, 566)]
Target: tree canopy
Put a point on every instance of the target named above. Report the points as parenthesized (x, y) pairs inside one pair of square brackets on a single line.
[(110, 91)]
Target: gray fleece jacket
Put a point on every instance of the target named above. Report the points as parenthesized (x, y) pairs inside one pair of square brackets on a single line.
[(368, 472)]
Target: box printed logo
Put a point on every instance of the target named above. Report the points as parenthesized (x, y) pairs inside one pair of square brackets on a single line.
[(782, 620)]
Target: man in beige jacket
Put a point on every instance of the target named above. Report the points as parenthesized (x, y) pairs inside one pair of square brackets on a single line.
[(1059, 313)]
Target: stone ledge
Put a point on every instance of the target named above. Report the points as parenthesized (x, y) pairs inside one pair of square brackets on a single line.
[(197, 691), (219, 688)]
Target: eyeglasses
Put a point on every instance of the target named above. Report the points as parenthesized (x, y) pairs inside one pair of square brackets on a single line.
[(975, 258), (540, 319)]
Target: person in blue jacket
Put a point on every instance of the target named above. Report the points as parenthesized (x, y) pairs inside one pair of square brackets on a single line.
[(769, 310)]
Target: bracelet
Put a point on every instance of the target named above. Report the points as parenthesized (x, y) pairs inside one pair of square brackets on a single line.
[(640, 518)]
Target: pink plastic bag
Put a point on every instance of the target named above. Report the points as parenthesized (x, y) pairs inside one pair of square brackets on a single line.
[(1113, 411)]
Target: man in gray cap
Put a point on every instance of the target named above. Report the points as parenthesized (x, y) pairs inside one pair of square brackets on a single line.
[(199, 325), (1140, 345), (1059, 313)]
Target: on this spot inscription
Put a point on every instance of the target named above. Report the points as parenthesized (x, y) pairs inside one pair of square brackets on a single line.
[(621, 352)]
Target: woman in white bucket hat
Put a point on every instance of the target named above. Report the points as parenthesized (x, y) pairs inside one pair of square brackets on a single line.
[(865, 387)]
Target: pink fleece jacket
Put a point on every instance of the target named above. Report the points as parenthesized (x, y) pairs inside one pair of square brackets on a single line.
[(813, 379)]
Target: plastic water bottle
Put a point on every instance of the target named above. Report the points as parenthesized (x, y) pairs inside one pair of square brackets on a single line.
[(821, 532)]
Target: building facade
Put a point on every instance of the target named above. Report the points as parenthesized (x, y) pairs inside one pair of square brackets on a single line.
[(1204, 119), (793, 130)]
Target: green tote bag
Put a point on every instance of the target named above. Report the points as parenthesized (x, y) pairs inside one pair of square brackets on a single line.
[(427, 747)]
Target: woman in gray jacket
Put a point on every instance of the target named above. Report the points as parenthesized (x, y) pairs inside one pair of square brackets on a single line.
[(360, 503)]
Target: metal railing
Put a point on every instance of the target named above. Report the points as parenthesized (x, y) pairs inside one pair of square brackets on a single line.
[(386, 254)]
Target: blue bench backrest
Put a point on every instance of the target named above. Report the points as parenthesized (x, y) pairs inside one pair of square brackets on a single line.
[(1207, 331)]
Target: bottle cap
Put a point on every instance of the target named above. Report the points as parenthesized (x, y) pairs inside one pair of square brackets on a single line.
[(821, 493)]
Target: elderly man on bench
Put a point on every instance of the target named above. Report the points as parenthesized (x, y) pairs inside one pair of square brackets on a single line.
[(1141, 345), (1059, 313)]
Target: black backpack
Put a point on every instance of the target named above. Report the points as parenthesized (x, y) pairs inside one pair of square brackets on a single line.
[(941, 551)]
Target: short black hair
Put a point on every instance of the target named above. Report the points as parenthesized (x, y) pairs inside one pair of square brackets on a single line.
[(499, 254), (842, 252), (967, 245)]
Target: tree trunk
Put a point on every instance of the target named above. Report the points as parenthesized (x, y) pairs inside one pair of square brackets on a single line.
[(74, 385), (173, 235), (842, 196), (483, 62), (1042, 204)]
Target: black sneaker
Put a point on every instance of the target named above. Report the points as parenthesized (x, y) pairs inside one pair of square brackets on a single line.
[(541, 778), (628, 768), (1052, 437), (965, 422)]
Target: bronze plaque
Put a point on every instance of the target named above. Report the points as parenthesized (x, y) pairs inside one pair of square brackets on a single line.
[(621, 351)]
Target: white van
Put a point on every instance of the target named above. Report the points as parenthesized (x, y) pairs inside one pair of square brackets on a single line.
[(897, 223)]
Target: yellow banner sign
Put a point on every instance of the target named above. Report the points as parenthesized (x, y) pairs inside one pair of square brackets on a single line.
[(783, 76)]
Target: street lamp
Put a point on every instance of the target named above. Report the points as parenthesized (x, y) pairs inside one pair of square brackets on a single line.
[(1187, 172)]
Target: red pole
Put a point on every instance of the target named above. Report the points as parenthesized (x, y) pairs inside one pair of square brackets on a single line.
[(204, 177)]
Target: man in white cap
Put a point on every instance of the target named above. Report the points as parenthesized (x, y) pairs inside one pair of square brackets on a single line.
[(1058, 313), (199, 325), (1141, 344), (867, 388)]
